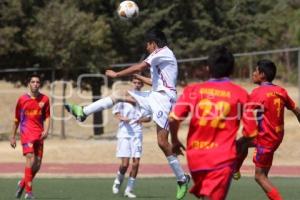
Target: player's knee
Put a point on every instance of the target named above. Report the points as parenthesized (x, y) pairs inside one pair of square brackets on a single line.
[(124, 166), (258, 177), (135, 165), (162, 144)]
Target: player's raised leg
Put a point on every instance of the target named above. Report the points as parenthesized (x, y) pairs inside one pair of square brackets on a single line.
[(82, 112)]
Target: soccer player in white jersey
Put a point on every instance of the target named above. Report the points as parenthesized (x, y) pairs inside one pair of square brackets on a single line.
[(159, 101), (130, 139)]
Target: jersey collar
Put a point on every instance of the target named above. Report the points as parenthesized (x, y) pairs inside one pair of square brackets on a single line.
[(224, 79)]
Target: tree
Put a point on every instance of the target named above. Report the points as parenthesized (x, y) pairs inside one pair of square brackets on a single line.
[(70, 40)]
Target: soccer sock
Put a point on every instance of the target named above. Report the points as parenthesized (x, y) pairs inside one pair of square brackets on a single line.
[(130, 184), (99, 105), (177, 170), (28, 179), (120, 178), (22, 183), (274, 194)]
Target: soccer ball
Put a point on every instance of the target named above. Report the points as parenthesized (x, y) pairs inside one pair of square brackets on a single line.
[(128, 9)]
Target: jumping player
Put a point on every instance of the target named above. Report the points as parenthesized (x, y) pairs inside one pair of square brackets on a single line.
[(269, 100), (159, 101), (33, 116), (130, 140), (217, 108)]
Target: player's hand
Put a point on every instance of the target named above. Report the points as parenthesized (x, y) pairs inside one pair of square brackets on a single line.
[(44, 135), (177, 147), (111, 73), (13, 142), (125, 119)]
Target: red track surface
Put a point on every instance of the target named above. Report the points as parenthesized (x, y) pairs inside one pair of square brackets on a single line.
[(145, 169)]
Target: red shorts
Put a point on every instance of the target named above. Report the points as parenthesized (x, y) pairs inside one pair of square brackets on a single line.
[(36, 147), (213, 184), (263, 157)]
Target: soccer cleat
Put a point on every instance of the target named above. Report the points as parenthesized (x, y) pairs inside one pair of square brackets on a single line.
[(76, 111), (19, 191), (29, 195), (182, 187), (116, 187), (129, 194), (236, 176)]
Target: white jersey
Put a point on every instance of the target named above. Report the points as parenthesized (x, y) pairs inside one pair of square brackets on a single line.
[(164, 70), (134, 113)]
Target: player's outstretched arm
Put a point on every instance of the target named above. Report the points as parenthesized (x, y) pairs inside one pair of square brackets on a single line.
[(136, 68), (145, 79), (296, 111)]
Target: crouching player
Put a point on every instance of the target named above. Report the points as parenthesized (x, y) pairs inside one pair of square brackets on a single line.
[(33, 115), (216, 106)]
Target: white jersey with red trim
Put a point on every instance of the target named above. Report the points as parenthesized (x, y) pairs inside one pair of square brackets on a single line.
[(164, 70)]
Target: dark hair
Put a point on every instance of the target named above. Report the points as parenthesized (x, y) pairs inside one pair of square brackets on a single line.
[(33, 75), (268, 68), (157, 36), (220, 62)]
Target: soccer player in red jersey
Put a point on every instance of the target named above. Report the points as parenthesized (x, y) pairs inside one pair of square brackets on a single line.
[(32, 114), (217, 109), (269, 100)]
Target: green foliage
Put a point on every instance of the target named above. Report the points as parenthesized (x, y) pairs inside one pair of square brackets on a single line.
[(70, 38), (72, 34)]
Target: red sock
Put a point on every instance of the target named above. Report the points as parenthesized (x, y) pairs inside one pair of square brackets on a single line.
[(28, 179), (22, 183), (274, 194)]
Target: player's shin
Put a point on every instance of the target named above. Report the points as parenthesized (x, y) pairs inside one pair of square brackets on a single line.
[(176, 168), (98, 106), (28, 179)]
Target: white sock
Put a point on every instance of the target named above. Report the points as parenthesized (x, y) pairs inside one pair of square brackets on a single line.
[(99, 105), (120, 178), (130, 184), (177, 170)]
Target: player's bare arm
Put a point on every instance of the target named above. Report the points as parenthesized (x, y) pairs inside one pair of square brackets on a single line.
[(119, 117), (145, 79), (136, 68), (144, 120), (46, 128), (296, 111), (13, 142)]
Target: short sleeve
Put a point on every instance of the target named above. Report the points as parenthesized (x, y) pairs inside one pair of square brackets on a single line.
[(117, 108), (183, 105), (152, 59), (146, 113)]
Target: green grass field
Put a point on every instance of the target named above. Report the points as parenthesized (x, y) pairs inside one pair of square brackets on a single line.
[(146, 188)]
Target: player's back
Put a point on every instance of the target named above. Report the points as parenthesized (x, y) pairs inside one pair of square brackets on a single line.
[(216, 113), (271, 100)]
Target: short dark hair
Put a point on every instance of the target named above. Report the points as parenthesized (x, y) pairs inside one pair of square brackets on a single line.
[(33, 75), (220, 62), (268, 68), (157, 36)]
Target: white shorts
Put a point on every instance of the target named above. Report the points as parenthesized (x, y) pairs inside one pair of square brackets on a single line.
[(159, 104), (129, 147)]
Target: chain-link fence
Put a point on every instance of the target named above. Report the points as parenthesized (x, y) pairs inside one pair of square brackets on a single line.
[(191, 70)]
